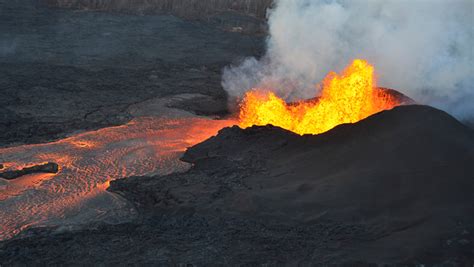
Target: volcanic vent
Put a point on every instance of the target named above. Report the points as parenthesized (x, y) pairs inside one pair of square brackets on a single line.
[(346, 98)]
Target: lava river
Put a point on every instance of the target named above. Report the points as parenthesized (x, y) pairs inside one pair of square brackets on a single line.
[(88, 161)]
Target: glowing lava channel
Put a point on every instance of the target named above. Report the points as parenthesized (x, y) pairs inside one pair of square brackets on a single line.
[(346, 98), (88, 161)]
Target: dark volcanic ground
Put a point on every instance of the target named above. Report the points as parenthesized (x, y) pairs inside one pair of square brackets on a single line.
[(394, 188), (63, 70)]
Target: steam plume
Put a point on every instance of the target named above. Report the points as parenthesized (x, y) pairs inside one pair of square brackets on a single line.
[(422, 48)]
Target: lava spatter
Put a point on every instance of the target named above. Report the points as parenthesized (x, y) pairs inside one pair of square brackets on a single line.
[(346, 98)]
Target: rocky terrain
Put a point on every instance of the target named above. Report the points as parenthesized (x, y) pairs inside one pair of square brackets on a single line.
[(64, 71), (395, 188), (186, 8), (49, 167)]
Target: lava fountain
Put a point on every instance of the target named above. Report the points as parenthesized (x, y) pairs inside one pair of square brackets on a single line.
[(346, 98)]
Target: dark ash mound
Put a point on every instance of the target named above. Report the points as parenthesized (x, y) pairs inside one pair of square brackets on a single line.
[(393, 188)]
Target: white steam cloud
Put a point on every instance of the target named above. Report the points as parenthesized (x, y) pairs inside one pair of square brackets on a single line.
[(423, 48)]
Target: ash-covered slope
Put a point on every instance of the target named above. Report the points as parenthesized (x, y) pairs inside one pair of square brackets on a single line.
[(393, 188), (410, 159), (406, 175)]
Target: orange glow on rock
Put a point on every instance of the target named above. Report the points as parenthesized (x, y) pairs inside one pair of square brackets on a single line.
[(83, 144), (346, 98)]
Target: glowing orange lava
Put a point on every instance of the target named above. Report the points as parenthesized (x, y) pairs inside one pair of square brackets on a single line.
[(87, 163), (346, 98)]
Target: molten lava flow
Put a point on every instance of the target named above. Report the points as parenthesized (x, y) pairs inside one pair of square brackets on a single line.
[(345, 98), (88, 162)]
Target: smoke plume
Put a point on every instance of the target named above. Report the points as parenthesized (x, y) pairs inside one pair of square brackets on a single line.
[(421, 48)]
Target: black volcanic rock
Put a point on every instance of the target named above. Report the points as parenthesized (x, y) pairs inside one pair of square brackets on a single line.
[(395, 188), (201, 9), (49, 167), (49, 84)]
